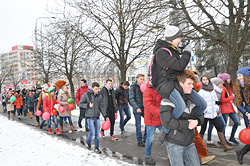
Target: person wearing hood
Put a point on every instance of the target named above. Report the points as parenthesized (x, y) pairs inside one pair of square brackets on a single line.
[(209, 95), (62, 98), (110, 106), (24, 93), (79, 93), (35, 99), (121, 95), (18, 103)]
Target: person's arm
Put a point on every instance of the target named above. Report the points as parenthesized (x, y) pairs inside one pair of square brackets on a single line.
[(84, 103), (101, 107), (148, 102), (59, 99), (223, 97), (132, 98), (77, 98)]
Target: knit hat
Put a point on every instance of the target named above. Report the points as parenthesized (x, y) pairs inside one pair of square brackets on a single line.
[(51, 89), (217, 81), (223, 76), (38, 87), (45, 86), (172, 32), (244, 71)]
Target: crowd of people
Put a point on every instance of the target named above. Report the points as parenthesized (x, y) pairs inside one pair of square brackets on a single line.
[(175, 104)]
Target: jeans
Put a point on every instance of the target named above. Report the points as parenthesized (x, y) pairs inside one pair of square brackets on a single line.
[(18, 111), (180, 105), (178, 155), (24, 110), (150, 139), (63, 118), (54, 120), (211, 126), (138, 128), (10, 112), (94, 127), (235, 119), (127, 112), (246, 120)]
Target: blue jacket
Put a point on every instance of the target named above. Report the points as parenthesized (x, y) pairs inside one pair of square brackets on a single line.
[(135, 98), (244, 106)]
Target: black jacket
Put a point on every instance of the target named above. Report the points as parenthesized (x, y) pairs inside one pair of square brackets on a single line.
[(121, 96), (174, 63), (104, 93), (136, 98), (179, 133)]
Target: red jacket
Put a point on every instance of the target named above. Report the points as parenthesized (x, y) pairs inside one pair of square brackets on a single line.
[(226, 106), (19, 102), (48, 106), (79, 95), (151, 103)]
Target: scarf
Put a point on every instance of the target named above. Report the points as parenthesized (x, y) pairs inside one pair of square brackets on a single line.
[(208, 87)]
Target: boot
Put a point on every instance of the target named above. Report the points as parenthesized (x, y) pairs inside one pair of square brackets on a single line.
[(8, 116), (149, 161), (73, 128), (201, 135), (30, 115), (223, 141), (12, 116), (61, 129), (49, 131), (242, 152), (57, 131)]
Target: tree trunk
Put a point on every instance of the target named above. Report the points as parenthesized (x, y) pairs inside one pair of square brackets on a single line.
[(72, 89), (123, 72), (232, 66)]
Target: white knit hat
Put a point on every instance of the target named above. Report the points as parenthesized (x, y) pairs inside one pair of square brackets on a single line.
[(172, 32), (216, 81)]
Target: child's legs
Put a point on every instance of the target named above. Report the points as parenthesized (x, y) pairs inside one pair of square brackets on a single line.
[(18, 112), (200, 103)]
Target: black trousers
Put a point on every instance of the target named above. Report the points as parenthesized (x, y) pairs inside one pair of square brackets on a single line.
[(215, 122), (111, 116)]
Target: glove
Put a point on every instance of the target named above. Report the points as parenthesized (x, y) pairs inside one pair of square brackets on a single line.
[(184, 45), (218, 102)]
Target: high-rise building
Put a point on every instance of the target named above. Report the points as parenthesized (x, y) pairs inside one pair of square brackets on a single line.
[(20, 66)]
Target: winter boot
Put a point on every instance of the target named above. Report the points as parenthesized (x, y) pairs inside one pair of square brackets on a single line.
[(12, 116), (8, 116), (206, 159), (49, 131), (88, 145), (57, 131), (97, 150), (73, 128), (242, 152), (201, 135), (223, 141), (211, 144), (149, 161), (61, 129), (30, 115), (232, 139)]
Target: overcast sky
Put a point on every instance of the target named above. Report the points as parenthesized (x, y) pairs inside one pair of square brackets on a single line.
[(17, 21)]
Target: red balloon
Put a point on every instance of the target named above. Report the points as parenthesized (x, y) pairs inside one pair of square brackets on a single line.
[(46, 115), (39, 113), (143, 87), (116, 115), (106, 125), (244, 136), (70, 106), (61, 109)]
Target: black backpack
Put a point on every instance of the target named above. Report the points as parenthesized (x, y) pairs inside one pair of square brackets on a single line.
[(154, 71)]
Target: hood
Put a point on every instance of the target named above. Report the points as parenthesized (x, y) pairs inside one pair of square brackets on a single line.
[(121, 85), (85, 87), (161, 43), (61, 91), (217, 89)]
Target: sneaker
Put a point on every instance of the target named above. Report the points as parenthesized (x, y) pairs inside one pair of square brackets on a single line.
[(211, 144), (161, 137), (140, 144), (88, 146), (102, 134), (113, 138), (206, 159), (232, 139), (19, 117), (97, 150), (87, 129), (149, 161)]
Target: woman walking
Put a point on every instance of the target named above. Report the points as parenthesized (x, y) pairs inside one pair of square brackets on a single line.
[(29, 104)]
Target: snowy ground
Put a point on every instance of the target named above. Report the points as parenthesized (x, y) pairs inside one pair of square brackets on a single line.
[(22, 145)]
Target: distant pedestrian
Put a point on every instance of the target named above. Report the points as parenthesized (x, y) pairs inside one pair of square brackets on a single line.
[(3, 99), (9, 105), (24, 93), (29, 104), (18, 103)]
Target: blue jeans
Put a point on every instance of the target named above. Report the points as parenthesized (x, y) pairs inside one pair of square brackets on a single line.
[(24, 110), (138, 128), (150, 139), (18, 111), (246, 120), (180, 154), (54, 120), (180, 105), (127, 112), (10, 112), (65, 118), (235, 119), (211, 126), (94, 128)]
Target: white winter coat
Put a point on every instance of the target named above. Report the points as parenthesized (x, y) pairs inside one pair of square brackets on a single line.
[(210, 97)]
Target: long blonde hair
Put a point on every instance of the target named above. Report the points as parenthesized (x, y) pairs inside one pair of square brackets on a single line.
[(52, 97), (245, 93)]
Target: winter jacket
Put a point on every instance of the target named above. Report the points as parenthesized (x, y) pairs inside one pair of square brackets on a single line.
[(174, 63), (104, 92), (48, 106), (179, 133), (24, 97), (19, 102), (226, 106), (212, 108), (151, 103), (28, 102), (244, 107), (35, 98), (218, 94), (82, 90), (135, 98), (94, 112), (9, 105), (121, 95), (62, 99)]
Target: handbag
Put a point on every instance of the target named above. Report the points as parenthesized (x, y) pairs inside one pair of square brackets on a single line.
[(234, 107)]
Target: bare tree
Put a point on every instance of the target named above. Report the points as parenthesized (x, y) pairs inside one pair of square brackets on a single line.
[(3, 75), (13, 75)]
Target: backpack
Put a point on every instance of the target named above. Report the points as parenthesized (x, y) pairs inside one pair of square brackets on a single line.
[(83, 110), (154, 71)]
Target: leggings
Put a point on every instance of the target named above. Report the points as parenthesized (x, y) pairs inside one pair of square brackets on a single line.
[(216, 123)]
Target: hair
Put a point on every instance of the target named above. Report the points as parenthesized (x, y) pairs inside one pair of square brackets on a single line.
[(185, 75), (126, 83), (95, 84), (83, 80), (67, 93), (108, 80), (28, 92), (229, 86), (245, 93), (206, 77), (140, 75), (52, 97)]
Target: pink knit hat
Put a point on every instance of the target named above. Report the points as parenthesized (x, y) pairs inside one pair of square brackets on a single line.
[(223, 76)]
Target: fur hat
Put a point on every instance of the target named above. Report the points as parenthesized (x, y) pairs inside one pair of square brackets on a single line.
[(195, 74), (223, 76), (217, 81), (172, 32), (60, 83), (244, 71)]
